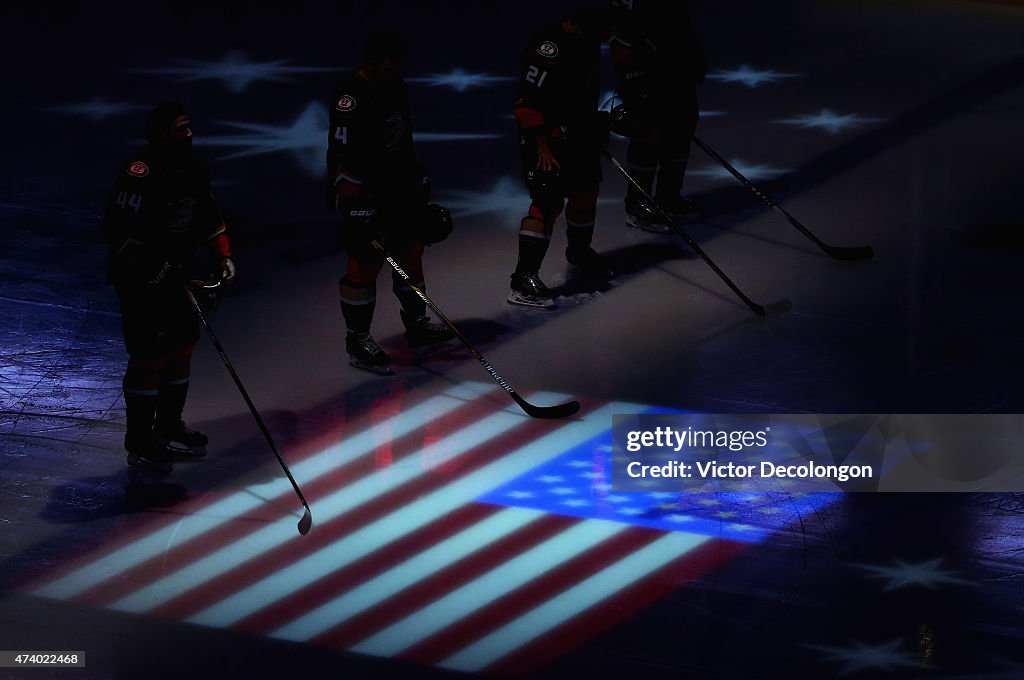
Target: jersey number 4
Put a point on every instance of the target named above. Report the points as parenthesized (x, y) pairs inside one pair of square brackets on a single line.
[(341, 134), (535, 76), (133, 201)]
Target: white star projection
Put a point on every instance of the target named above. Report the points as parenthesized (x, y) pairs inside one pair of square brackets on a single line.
[(831, 122), (925, 574), (751, 172), (305, 138), (861, 657), (98, 108), (459, 80), (236, 71), (750, 77), (508, 195)]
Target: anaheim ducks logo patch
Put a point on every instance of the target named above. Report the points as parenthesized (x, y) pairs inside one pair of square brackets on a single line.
[(548, 50), (138, 169), (346, 103)]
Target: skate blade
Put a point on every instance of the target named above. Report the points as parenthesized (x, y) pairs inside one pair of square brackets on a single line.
[(643, 225), (515, 298), (379, 370), (186, 452)]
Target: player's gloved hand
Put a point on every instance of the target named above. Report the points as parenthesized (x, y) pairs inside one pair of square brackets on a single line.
[(227, 269), (359, 221), (206, 294)]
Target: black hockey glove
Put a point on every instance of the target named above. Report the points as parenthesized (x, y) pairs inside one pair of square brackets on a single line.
[(437, 224), (545, 187), (207, 293), (623, 122)]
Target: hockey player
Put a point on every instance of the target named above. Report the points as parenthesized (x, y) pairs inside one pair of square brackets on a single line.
[(383, 194), (159, 212), (659, 62), (561, 138)]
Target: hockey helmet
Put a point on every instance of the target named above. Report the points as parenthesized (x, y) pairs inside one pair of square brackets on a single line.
[(437, 224), (624, 121), (545, 187)]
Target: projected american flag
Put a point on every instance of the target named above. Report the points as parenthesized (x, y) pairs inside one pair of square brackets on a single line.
[(456, 532)]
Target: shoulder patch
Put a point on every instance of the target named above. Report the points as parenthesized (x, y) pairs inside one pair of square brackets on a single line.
[(138, 169), (346, 103), (548, 50)]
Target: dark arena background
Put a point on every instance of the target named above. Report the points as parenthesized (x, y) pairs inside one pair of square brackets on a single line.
[(452, 534)]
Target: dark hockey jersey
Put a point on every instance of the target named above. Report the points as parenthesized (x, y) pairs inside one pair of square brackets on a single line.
[(559, 81), (370, 137), (160, 210)]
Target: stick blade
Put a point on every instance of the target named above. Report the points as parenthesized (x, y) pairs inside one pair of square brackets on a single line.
[(852, 253), (306, 522), (550, 412)]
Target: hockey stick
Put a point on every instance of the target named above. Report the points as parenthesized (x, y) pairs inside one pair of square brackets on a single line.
[(559, 411), (307, 517), (773, 309), (838, 252)]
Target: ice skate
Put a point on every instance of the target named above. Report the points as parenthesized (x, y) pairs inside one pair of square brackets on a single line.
[(529, 291), (427, 338), (679, 206), (365, 353), (641, 215), (181, 441), (148, 454)]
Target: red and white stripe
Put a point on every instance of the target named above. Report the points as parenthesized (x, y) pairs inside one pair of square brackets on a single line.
[(402, 561)]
